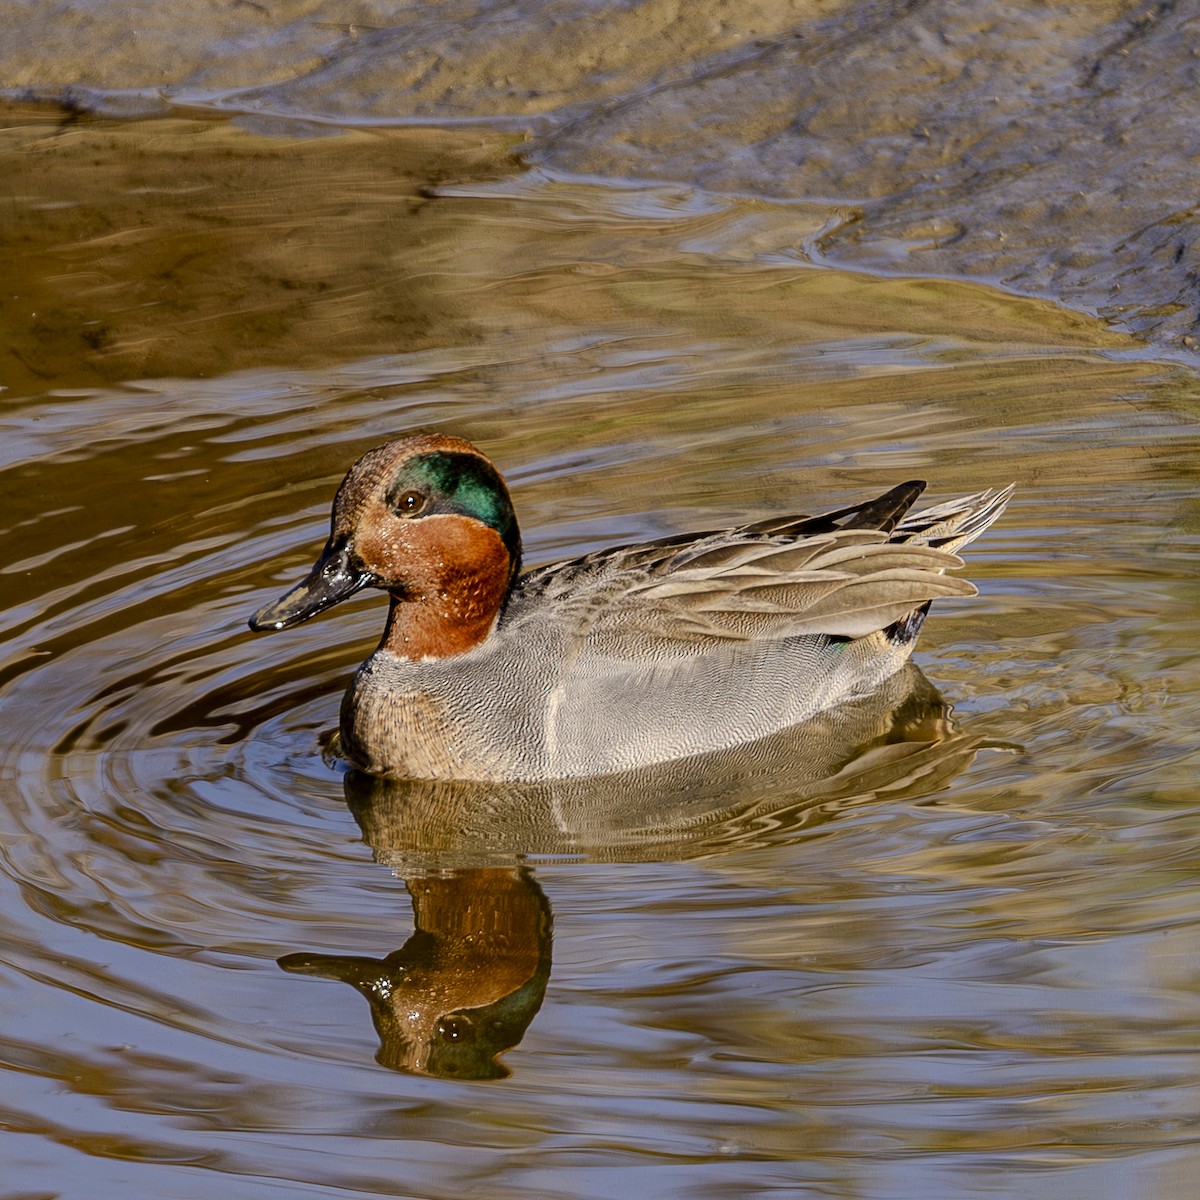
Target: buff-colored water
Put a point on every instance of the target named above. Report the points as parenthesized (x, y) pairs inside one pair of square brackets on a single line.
[(925, 956)]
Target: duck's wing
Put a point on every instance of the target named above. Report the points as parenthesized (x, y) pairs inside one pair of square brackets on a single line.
[(842, 573), (849, 583)]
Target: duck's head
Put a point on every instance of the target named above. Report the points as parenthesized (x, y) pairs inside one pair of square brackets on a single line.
[(429, 520)]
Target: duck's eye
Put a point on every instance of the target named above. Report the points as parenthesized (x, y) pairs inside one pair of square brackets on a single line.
[(453, 1029), (411, 503)]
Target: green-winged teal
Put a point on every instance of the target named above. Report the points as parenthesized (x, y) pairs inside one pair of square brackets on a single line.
[(628, 656)]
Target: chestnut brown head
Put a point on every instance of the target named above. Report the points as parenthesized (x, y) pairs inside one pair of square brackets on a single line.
[(429, 520)]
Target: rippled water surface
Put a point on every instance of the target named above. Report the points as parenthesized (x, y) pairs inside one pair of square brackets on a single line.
[(932, 956)]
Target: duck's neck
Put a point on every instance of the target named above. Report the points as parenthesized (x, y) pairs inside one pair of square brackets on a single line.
[(433, 628), (452, 614)]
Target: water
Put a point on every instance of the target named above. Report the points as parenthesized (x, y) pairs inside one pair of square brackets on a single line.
[(959, 964)]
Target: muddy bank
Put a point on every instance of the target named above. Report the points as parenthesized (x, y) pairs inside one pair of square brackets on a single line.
[(1049, 148)]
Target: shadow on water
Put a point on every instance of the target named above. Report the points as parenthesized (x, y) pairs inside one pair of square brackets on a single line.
[(471, 977)]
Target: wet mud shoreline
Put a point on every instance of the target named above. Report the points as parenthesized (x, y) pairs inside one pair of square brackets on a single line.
[(1046, 148)]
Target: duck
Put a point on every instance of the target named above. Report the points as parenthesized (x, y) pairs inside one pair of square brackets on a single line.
[(629, 656)]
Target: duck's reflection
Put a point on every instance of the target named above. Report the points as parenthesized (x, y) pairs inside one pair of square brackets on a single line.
[(468, 981), (464, 987)]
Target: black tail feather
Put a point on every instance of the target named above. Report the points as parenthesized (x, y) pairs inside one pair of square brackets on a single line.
[(907, 627)]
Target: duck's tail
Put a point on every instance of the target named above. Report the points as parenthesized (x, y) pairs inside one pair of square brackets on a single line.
[(952, 525), (948, 527)]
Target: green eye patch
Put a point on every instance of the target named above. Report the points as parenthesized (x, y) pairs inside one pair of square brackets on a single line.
[(463, 484)]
